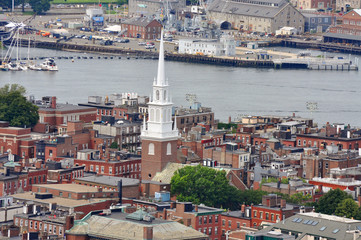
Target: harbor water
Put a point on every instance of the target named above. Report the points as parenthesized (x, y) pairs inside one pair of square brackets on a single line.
[(229, 91)]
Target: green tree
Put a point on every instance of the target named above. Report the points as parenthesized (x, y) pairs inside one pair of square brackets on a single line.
[(15, 109), (12, 88), (8, 3), (328, 203), (251, 196), (348, 208), (114, 145), (40, 6), (204, 185)]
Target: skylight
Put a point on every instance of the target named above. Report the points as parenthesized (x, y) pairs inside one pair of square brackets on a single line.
[(314, 223), (299, 220), (336, 230), (295, 220), (322, 229)]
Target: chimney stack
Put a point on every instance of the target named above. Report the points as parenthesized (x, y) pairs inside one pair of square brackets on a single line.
[(120, 190), (147, 233), (164, 213), (53, 102)]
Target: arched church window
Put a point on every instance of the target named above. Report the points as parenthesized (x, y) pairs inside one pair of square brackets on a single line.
[(157, 94), (169, 149), (151, 149), (165, 95)]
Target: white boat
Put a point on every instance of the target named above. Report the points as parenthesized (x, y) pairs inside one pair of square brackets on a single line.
[(34, 67), (14, 66), (49, 65)]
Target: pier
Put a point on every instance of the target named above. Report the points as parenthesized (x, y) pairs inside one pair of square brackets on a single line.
[(298, 43), (113, 52)]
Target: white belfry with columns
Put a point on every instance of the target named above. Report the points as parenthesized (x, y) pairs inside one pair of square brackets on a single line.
[(159, 124)]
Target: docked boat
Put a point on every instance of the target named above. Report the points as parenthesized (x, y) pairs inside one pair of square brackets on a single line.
[(14, 66), (49, 65)]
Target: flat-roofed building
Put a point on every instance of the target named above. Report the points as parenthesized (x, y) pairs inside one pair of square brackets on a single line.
[(259, 16)]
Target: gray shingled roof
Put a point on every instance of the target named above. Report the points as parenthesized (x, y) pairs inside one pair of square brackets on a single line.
[(316, 224), (109, 180), (343, 36), (265, 9), (138, 21)]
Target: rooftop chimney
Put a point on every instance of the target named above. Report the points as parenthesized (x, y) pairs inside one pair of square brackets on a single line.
[(147, 233), (120, 189), (53, 102)]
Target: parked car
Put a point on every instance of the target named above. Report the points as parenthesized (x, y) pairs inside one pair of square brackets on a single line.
[(149, 46), (249, 52), (122, 40), (106, 42), (142, 43)]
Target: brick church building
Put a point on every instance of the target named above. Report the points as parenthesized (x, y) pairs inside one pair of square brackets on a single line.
[(159, 136)]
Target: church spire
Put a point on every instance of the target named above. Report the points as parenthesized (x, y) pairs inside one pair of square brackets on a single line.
[(161, 69)]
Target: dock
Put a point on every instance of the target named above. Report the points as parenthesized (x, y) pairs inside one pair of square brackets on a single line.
[(314, 63), (292, 62)]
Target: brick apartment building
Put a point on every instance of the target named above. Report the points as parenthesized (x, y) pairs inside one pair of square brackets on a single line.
[(272, 210), (119, 166), (142, 27), (15, 179), (17, 140), (67, 198), (321, 165), (349, 31), (119, 106), (130, 187), (204, 219), (53, 116), (46, 225), (59, 174)]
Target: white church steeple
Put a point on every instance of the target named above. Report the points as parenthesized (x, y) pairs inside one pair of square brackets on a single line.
[(159, 125)]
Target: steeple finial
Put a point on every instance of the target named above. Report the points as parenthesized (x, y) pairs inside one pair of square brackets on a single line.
[(161, 70)]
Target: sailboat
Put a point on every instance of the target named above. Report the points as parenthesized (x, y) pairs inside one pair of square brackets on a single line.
[(30, 64)]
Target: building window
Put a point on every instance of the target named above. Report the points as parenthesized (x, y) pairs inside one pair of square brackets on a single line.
[(223, 222), (254, 213), (216, 219), (267, 216), (110, 170), (238, 225), (260, 215), (204, 220), (35, 225), (169, 149), (151, 149), (326, 165), (210, 219), (272, 217), (91, 168), (97, 168), (40, 225), (215, 230), (229, 223), (200, 220), (210, 231)]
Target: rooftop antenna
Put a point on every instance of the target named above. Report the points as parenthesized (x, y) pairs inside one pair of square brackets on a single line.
[(312, 106), (191, 98)]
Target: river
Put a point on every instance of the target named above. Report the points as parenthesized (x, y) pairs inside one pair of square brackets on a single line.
[(229, 91)]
